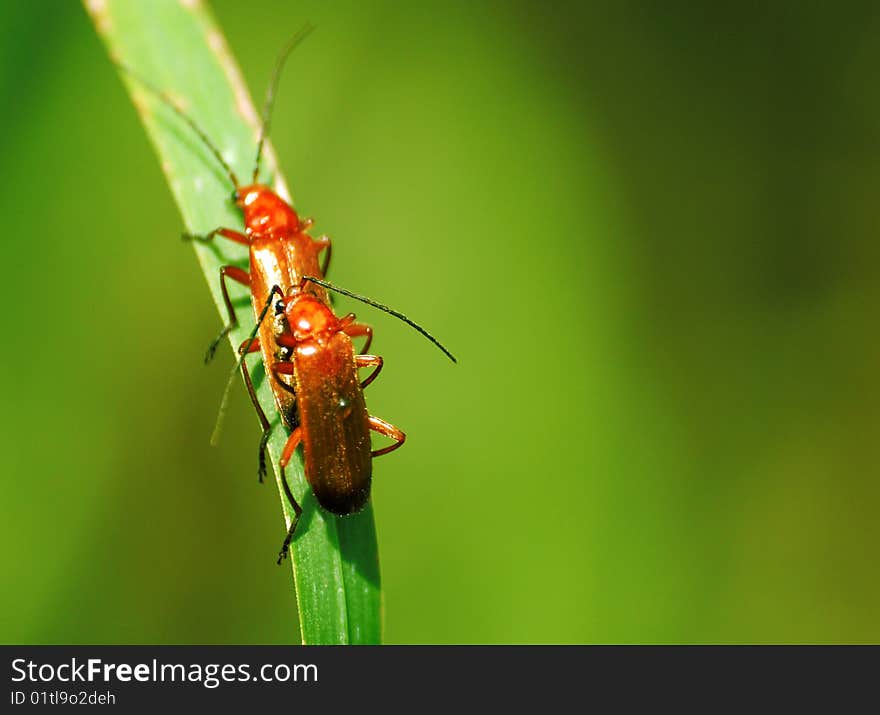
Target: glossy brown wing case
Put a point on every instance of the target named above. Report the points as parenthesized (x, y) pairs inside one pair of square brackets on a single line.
[(336, 433)]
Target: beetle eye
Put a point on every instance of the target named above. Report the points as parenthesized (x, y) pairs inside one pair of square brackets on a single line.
[(279, 308), (235, 196)]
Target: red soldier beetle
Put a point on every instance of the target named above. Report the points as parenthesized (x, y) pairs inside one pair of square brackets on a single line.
[(324, 407), (280, 251), (333, 423)]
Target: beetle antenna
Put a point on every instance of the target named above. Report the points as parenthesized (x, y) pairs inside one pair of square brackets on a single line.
[(165, 99), (246, 346), (273, 86), (383, 307)]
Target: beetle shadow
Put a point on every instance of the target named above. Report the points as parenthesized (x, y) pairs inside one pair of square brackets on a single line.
[(309, 506), (355, 538), (357, 545), (258, 377)]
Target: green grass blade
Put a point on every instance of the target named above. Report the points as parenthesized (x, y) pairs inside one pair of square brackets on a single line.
[(176, 45)]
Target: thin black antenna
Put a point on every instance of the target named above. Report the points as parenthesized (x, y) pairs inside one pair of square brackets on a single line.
[(221, 413), (270, 92), (185, 117), (381, 306)]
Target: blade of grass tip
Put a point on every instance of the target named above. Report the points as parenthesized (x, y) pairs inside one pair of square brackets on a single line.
[(178, 47)]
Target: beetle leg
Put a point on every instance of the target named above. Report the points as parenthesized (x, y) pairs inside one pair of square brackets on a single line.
[(239, 275), (283, 368), (388, 430), (286, 340), (289, 448), (369, 361), (326, 245), (264, 421), (356, 330), (225, 232)]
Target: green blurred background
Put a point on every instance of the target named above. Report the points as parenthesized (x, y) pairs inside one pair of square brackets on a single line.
[(648, 231)]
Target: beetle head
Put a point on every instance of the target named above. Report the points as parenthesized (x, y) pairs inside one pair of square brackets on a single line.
[(265, 212), (308, 317)]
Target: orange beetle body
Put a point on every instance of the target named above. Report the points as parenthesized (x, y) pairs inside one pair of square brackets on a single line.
[(334, 425), (281, 254), (306, 349)]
